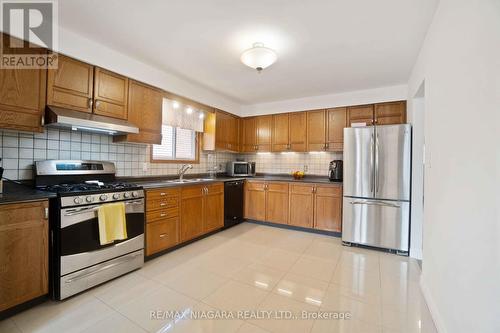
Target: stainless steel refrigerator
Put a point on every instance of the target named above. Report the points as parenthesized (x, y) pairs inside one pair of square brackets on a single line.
[(377, 174)]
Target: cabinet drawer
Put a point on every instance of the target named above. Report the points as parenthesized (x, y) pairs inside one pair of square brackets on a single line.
[(277, 187), (302, 188), (162, 214), (167, 202), (22, 214), (192, 191), (333, 191), (162, 193), (255, 186), (161, 235), (215, 188)]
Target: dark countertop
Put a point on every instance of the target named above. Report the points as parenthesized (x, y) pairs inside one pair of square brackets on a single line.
[(16, 193), (160, 182)]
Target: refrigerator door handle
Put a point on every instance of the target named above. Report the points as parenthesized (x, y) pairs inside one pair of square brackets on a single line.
[(376, 163), (372, 172), (375, 203)]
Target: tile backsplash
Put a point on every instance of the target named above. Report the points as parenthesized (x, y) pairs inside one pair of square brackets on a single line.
[(19, 150)]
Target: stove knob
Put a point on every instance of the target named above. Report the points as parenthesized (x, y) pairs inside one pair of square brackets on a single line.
[(103, 197), (78, 200), (89, 198), (126, 195), (135, 194), (116, 196)]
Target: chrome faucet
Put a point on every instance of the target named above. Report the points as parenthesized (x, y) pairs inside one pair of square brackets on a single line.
[(184, 168)]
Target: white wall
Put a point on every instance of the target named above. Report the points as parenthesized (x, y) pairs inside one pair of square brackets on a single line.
[(368, 96), (92, 52), (460, 63)]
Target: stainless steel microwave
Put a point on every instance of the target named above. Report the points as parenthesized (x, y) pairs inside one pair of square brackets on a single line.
[(239, 168)]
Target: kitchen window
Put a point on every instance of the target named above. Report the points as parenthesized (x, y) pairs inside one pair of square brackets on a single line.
[(177, 145)]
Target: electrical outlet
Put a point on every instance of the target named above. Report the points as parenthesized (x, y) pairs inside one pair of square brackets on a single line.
[(145, 166), (306, 167)]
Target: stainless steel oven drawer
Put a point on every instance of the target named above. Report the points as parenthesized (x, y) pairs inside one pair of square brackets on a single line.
[(379, 223), (76, 282), (74, 262)]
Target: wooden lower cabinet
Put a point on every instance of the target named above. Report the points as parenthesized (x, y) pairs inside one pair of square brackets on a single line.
[(277, 203), (301, 205), (162, 219), (23, 252), (328, 208), (191, 212), (213, 208), (255, 200), (161, 235)]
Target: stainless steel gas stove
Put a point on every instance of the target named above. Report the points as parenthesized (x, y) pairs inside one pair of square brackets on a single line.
[(78, 260)]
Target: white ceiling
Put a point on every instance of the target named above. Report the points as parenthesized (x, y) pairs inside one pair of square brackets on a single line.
[(323, 46)]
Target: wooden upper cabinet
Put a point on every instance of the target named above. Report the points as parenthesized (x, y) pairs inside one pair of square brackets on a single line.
[(328, 208), (232, 132), (336, 121), (264, 129), (110, 94), (145, 112), (22, 97), (316, 130), (301, 205), (390, 113), (221, 132), (280, 132), (360, 114), (248, 134), (71, 84), (24, 257), (297, 131)]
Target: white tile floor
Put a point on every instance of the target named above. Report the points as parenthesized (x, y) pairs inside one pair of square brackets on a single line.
[(248, 267)]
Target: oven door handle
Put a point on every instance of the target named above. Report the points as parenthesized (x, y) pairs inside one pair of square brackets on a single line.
[(82, 210), (122, 260)]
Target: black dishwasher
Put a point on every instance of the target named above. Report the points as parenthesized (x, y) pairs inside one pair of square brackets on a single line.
[(233, 203)]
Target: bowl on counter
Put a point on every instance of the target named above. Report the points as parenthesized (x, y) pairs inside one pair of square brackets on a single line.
[(297, 175)]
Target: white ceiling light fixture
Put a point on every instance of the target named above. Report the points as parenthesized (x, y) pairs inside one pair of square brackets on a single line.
[(189, 110), (202, 115), (259, 57), (175, 104)]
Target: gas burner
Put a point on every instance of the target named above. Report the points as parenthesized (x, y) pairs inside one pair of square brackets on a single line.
[(88, 187)]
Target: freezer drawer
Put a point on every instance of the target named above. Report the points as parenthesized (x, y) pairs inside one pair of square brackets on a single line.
[(378, 223)]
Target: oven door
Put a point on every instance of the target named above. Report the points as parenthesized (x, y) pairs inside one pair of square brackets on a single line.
[(79, 245)]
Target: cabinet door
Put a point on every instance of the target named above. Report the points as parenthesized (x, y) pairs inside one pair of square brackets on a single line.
[(161, 235), (213, 217), (255, 201), (336, 121), (297, 131), (233, 134), (301, 205), (110, 94), (248, 136), (71, 85), (264, 125), (221, 130), (360, 114), (316, 130), (23, 253), (191, 212), (277, 202), (145, 112), (328, 209), (390, 113), (22, 97), (280, 134)]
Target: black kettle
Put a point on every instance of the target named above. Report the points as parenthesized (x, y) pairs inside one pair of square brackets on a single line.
[(335, 171)]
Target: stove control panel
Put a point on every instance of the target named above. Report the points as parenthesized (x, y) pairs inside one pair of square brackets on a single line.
[(79, 200)]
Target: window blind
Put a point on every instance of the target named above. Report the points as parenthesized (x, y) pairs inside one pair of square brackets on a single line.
[(176, 144)]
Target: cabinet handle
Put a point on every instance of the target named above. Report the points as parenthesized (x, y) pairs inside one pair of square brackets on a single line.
[(162, 203), (163, 235), (97, 103), (162, 193), (163, 214), (91, 102), (46, 213)]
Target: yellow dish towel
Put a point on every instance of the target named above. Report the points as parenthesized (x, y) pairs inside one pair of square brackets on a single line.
[(112, 222)]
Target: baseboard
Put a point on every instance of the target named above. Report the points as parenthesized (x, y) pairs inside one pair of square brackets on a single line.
[(416, 253), (436, 317)]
